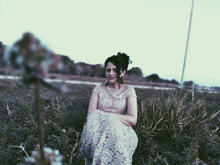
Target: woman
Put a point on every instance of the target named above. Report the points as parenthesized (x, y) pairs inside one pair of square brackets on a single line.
[(107, 136)]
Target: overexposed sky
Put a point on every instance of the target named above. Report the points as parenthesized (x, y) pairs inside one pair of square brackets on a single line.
[(152, 32)]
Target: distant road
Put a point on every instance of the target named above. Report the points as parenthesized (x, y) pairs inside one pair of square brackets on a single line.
[(85, 82), (96, 83)]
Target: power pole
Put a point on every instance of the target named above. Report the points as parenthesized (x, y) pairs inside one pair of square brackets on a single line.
[(187, 43)]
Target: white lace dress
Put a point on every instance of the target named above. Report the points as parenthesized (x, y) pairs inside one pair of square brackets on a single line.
[(105, 140)]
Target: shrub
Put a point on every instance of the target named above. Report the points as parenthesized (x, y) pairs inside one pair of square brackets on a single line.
[(175, 130)]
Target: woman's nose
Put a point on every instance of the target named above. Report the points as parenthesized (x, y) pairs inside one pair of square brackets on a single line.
[(111, 72)]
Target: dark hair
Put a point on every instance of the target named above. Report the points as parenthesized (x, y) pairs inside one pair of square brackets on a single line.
[(121, 61)]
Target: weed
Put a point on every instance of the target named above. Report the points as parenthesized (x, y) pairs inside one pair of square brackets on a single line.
[(171, 128), (174, 128)]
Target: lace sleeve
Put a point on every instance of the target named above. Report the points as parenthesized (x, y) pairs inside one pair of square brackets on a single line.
[(97, 88), (131, 92)]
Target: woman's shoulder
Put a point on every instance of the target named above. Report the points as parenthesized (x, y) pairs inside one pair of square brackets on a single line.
[(102, 85), (99, 87), (129, 90), (128, 86)]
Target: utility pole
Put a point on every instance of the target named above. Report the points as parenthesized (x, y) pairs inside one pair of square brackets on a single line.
[(187, 43)]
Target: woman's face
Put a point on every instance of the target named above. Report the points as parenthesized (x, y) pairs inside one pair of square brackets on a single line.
[(110, 73)]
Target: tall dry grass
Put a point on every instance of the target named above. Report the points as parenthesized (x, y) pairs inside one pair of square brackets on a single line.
[(176, 130), (171, 128)]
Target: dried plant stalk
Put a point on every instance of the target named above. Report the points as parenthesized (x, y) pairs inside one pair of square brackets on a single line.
[(40, 128)]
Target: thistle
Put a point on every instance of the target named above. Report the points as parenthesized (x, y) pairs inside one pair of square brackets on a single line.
[(52, 157), (35, 60)]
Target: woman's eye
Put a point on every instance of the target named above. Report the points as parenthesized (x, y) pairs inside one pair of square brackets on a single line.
[(109, 70)]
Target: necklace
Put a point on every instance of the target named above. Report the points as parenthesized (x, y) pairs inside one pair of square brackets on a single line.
[(115, 87)]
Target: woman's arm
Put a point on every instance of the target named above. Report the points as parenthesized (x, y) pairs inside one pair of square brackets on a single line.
[(93, 103), (130, 118)]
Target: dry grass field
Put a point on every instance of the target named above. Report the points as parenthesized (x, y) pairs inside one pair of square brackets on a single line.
[(172, 128)]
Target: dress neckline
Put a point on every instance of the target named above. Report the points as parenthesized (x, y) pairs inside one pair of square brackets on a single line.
[(116, 89)]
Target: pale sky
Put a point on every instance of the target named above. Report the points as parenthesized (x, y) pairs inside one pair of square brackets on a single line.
[(152, 32)]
